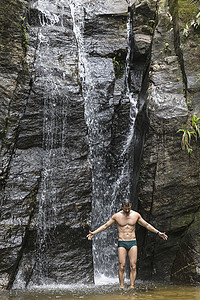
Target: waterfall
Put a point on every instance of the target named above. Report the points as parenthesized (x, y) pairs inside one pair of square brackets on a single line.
[(110, 184), (123, 180), (55, 242), (55, 106), (105, 245), (111, 172)]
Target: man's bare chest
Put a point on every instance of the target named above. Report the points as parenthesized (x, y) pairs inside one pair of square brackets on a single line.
[(123, 221)]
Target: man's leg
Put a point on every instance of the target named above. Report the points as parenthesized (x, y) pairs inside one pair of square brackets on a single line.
[(132, 254), (122, 262)]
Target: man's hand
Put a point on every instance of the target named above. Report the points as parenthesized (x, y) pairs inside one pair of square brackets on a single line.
[(101, 228), (90, 235), (163, 235)]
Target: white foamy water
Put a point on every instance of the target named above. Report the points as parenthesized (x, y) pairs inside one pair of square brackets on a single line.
[(95, 72), (101, 279)]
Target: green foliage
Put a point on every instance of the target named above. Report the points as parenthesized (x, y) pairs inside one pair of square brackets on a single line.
[(166, 48), (194, 23), (196, 125), (188, 135), (186, 30), (186, 139), (115, 62), (25, 41), (147, 29), (187, 10), (198, 77), (119, 65), (4, 130), (7, 120)]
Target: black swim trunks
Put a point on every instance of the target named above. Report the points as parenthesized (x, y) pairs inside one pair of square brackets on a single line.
[(127, 244)]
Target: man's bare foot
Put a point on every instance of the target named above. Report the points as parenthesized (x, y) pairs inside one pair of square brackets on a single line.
[(121, 286), (131, 286)]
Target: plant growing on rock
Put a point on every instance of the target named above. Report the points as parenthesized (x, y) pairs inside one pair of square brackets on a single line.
[(186, 139), (24, 34), (195, 23), (189, 134), (119, 66), (196, 125)]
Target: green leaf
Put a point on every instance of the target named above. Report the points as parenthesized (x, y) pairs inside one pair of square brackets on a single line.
[(180, 130), (198, 15)]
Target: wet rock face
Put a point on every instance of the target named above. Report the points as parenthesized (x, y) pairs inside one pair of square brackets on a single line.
[(169, 180), (115, 59), (14, 91), (65, 119), (45, 179)]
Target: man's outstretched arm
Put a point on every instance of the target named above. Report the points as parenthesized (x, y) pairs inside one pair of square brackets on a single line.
[(149, 227), (101, 228)]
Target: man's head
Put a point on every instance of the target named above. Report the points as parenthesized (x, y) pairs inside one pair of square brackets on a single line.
[(126, 206)]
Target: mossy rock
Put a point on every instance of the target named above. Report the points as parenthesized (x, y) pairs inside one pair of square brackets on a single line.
[(187, 11), (147, 29)]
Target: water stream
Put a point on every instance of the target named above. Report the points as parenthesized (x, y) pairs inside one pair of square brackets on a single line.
[(110, 183), (49, 80), (54, 127)]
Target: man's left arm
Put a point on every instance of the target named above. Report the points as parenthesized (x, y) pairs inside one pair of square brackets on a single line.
[(149, 227)]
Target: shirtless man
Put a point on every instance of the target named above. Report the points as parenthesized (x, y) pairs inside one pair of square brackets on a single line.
[(126, 220)]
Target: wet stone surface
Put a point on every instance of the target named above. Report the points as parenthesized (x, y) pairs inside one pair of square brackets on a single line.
[(78, 91)]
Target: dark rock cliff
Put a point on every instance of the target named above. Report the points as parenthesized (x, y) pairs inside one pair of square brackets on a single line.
[(64, 117), (169, 185)]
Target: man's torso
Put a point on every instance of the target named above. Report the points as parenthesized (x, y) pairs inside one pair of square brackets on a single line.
[(126, 225)]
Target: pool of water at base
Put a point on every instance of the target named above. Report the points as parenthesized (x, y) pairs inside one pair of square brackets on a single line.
[(142, 291)]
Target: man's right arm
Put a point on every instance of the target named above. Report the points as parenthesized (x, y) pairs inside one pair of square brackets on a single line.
[(101, 228)]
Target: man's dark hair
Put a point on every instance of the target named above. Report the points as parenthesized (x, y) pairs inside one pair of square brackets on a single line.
[(126, 202)]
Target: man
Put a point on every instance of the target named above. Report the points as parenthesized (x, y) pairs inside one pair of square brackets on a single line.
[(126, 220)]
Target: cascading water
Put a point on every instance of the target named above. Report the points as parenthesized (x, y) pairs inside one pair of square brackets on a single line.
[(110, 184), (54, 129), (123, 180), (105, 245), (110, 172), (55, 242)]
